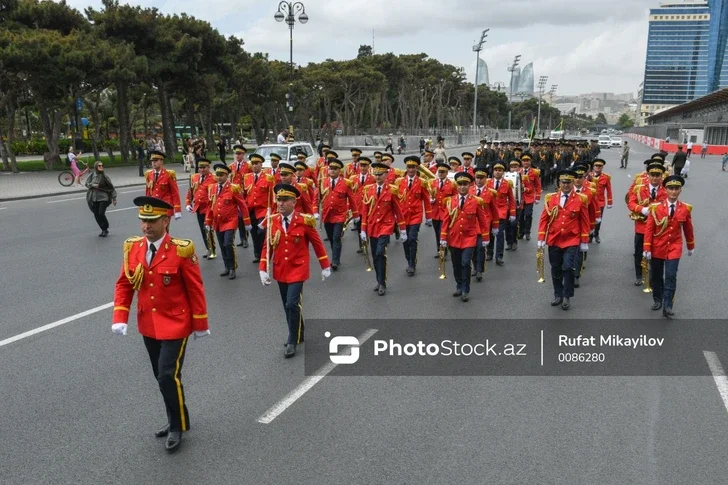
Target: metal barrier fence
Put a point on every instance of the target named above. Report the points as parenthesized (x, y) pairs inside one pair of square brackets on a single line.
[(412, 142)]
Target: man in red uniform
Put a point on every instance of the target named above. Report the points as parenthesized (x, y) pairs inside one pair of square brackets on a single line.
[(531, 195), (603, 183), (311, 189), (466, 219), (239, 168), (564, 227), (393, 173), (358, 182), (170, 306), (226, 200), (198, 201), (304, 204), (506, 204), (480, 189), (580, 171), (307, 172), (415, 196), (258, 192), (440, 189), (467, 163), (639, 199), (666, 223), (382, 211), (516, 182), (290, 235), (274, 169), (352, 168), (337, 198), (455, 164), (162, 183)]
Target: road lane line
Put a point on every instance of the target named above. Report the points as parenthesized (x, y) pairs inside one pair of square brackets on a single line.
[(304, 387), (721, 381), (124, 209), (132, 191), (3, 208), (64, 200), (49, 326)]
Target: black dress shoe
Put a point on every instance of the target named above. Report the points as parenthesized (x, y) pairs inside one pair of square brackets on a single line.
[(245, 243), (657, 305), (557, 301), (528, 237), (162, 432), (174, 440), (509, 247), (232, 274), (225, 273), (565, 305), (101, 234), (668, 312), (639, 282), (465, 297), (410, 271), (256, 260), (382, 290), (598, 241), (290, 351), (205, 255), (457, 293), (376, 288), (489, 258), (576, 282), (591, 238), (499, 262), (478, 276), (104, 233), (359, 251), (334, 266), (240, 244), (515, 247)]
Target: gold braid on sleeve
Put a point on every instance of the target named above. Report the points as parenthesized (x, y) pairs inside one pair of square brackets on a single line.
[(135, 279)]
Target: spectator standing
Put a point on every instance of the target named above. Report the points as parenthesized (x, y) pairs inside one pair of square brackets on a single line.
[(140, 156), (690, 148), (100, 194), (625, 156), (704, 150), (678, 160), (221, 149)]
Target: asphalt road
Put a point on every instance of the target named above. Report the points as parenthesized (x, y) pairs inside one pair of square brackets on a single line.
[(79, 405)]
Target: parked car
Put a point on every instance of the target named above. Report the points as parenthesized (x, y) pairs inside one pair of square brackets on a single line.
[(615, 141), (605, 141), (287, 152)]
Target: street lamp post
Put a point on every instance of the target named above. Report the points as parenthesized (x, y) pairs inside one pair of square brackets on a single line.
[(552, 91), (511, 69), (541, 84), (287, 11), (477, 47)]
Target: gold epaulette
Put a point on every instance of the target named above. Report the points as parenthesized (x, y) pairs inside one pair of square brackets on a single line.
[(130, 242), (607, 175), (446, 200), (349, 182), (302, 187), (236, 189), (395, 190), (172, 174), (309, 220), (270, 178), (399, 172), (536, 171), (549, 195), (185, 247), (480, 201), (593, 190), (689, 206), (148, 172), (510, 183), (135, 278), (583, 197), (493, 191)]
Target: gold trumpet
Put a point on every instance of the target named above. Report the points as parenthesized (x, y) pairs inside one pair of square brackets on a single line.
[(365, 252), (211, 244), (540, 265), (441, 255), (646, 275)]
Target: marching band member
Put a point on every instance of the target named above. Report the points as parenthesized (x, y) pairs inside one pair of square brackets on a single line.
[(467, 163), (304, 202), (359, 182), (240, 167), (440, 189), (564, 227), (480, 189), (506, 204), (382, 211), (666, 223), (415, 196), (580, 171), (198, 199), (258, 190), (531, 195), (291, 232), (274, 171), (162, 183), (307, 172), (301, 178), (352, 168), (466, 218), (603, 183), (336, 199), (517, 186)]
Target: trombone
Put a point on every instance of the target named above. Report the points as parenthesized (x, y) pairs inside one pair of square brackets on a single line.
[(365, 251), (540, 265), (441, 265), (646, 275), (211, 244)]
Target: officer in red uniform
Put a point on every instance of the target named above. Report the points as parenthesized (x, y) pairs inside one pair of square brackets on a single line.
[(226, 200), (162, 183), (306, 170), (321, 163), (239, 168), (198, 201), (466, 219), (352, 168), (480, 189), (304, 204), (274, 169), (666, 223), (440, 189), (467, 163), (337, 198), (258, 192), (415, 197), (531, 195), (382, 211), (639, 199), (170, 306), (455, 164), (580, 171), (506, 204), (290, 234), (603, 182), (358, 182), (564, 227), (394, 173)]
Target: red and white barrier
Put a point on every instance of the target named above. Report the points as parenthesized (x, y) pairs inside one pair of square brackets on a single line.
[(658, 144)]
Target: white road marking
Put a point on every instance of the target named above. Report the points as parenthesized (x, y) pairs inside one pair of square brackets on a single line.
[(132, 191), (307, 384), (64, 200), (124, 209), (3, 208), (49, 326), (721, 381)]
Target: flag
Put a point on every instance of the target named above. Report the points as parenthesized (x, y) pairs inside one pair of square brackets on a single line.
[(532, 132), (561, 126)]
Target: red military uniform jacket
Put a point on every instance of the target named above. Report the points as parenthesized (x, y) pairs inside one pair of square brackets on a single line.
[(594, 211), (640, 196), (531, 185), (239, 169), (663, 234), (350, 169), (171, 299), (566, 226), (223, 212), (382, 213), (461, 227), (393, 174), (275, 172), (470, 170), (413, 199), (442, 189), (289, 250), (603, 184), (311, 191), (488, 196), (165, 187), (320, 169), (336, 202), (197, 193), (357, 188), (505, 201), (258, 195)]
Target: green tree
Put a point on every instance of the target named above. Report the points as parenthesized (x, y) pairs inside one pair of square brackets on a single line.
[(364, 51), (601, 119), (625, 121)]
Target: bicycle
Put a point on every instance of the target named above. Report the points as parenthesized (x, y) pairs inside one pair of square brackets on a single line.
[(66, 177)]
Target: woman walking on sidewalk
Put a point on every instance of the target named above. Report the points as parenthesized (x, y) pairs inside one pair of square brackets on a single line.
[(100, 194)]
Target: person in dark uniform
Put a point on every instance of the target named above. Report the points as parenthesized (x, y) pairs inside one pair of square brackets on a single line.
[(171, 306)]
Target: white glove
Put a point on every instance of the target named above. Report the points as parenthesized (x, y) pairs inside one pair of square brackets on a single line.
[(535, 202), (249, 228), (189, 208), (201, 333), (443, 244), (609, 207), (647, 255), (555, 165), (428, 222), (177, 215), (356, 220), (325, 273), (584, 247), (541, 244), (494, 232), (645, 211), (363, 236), (599, 220), (316, 216), (119, 328), (264, 279), (207, 228), (484, 244), (403, 236), (690, 252), (512, 219)]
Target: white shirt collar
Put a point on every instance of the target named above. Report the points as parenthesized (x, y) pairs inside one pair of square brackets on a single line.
[(156, 243)]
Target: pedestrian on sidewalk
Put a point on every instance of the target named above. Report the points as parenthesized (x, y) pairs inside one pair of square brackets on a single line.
[(100, 194), (704, 149)]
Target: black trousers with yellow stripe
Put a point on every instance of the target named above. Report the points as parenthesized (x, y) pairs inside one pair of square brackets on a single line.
[(292, 296), (167, 357)]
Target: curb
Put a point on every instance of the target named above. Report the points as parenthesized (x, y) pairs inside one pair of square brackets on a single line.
[(74, 191)]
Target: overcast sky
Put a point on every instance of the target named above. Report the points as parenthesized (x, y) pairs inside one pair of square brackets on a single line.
[(581, 45)]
